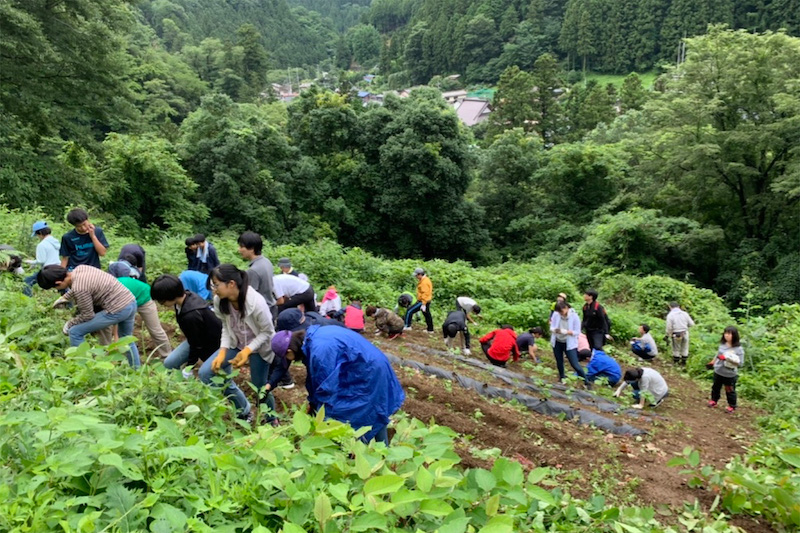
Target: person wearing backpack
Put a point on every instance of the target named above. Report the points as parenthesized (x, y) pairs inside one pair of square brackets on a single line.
[(730, 357), (595, 323)]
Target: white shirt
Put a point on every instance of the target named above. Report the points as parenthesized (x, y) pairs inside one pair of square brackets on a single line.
[(652, 381), (330, 305), (466, 303), (286, 286), (678, 321)]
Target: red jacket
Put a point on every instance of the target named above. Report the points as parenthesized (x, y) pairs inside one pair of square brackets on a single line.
[(504, 345), (354, 317)]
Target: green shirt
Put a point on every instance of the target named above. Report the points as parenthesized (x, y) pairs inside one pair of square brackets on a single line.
[(140, 289)]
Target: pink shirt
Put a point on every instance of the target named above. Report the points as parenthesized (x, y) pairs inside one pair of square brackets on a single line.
[(583, 343)]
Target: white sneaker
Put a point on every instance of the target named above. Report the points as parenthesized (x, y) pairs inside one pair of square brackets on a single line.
[(407, 328), (430, 332)]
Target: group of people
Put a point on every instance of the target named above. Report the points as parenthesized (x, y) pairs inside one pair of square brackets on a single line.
[(231, 318)]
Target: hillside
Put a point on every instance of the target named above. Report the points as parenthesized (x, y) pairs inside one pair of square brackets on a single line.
[(160, 443)]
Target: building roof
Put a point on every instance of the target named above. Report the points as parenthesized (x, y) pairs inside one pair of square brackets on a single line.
[(472, 111)]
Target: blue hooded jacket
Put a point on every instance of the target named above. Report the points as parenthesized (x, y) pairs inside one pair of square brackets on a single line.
[(351, 378), (603, 365)]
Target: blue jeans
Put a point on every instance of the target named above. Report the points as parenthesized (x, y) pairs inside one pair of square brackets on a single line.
[(259, 374), (381, 436), (414, 309), (123, 320), (30, 281), (559, 350), (178, 357)]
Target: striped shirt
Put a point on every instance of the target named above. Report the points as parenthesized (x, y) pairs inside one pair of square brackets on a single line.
[(92, 288)]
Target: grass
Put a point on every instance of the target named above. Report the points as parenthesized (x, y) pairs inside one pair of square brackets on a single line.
[(648, 78)]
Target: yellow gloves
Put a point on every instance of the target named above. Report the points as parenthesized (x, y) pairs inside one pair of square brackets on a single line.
[(241, 358), (219, 360)]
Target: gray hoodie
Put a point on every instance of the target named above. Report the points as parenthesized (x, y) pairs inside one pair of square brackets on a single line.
[(725, 368)]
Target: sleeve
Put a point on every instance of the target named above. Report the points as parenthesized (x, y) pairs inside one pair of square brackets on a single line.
[(277, 289), (253, 278), (575, 326), (101, 236), (486, 338), (584, 320), (41, 256), (689, 320), (228, 339), (515, 350), (64, 250), (266, 330), (592, 368), (193, 329), (213, 260), (670, 323), (278, 369), (606, 321), (84, 303)]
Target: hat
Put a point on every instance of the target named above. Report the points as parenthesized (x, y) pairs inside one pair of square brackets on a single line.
[(120, 269), (38, 225), (561, 294), (280, 343), (418, 271), (291, 320), (284, 262)]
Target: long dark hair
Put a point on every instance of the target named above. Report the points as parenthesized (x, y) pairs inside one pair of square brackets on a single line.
[(633, 374), (734, 336), (227, 273)]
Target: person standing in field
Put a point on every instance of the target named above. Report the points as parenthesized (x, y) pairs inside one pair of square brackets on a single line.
[(595, 323), (678, 324), (205, 254), (260, 271), (726, 365), (565, 328), (85, 244), (423, 303)]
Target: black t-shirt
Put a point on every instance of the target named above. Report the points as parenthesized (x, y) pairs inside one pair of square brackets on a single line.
[(524, 341), (80, 248)]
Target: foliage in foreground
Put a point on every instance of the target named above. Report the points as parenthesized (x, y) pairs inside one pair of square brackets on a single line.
[(88, 444)]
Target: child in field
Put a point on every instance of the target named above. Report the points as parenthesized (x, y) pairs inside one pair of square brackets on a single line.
[(730, 357), (331, 302), (85, 244)]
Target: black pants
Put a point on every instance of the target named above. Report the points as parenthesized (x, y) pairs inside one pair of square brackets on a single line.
[(306, 298), (730, 389), (485, 347), (596, 339), (417, 307)]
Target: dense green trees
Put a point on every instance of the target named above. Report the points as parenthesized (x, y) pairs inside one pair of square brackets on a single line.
[(172, 129), (480, 38)]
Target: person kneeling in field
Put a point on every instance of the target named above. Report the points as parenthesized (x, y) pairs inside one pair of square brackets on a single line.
[(386, 322), (345, 373), (601, 365), (644, 380), (90, 288), (500, 345), (201, 327)]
